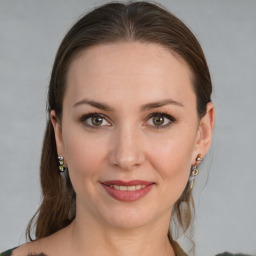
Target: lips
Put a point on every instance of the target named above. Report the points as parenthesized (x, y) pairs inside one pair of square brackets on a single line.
[(127, 188), (127, 191), (127, 183)]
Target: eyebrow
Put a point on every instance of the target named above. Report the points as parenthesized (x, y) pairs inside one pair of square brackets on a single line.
[(144, 107), (160, 104)]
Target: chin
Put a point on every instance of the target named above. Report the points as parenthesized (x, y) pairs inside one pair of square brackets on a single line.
[(130, 216), (128, 220)]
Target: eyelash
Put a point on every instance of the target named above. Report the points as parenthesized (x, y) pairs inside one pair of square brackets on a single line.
[(172, 120), (165, 115)]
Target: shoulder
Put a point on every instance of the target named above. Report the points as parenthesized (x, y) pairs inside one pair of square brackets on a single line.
[(23, 250), (8, 252), (50, 245)]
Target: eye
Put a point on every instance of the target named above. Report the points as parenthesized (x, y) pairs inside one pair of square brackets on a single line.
[(94, 120), (160, 120)]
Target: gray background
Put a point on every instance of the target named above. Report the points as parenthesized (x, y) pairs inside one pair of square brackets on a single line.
[(30, 32)]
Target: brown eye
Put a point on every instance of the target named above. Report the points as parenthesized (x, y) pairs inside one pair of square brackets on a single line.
[(158, 120), (96, 121)]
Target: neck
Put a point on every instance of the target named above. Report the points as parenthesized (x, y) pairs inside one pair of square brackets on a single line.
[(92, 237)]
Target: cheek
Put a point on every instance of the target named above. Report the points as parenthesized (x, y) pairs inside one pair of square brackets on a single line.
[(84, 159), (173, 162)]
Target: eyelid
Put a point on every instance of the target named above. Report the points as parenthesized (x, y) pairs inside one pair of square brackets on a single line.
[(162, 114), (171, 118), (84, 117)]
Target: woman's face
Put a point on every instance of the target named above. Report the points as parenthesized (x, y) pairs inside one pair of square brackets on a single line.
[(130, 132)]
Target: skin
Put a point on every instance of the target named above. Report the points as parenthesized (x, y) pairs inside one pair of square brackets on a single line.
[(126, 146)]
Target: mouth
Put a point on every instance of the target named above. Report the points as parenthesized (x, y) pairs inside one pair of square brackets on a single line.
[(127, 188), (127, 191)]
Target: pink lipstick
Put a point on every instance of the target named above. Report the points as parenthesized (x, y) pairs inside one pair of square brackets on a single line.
[(127, 191)]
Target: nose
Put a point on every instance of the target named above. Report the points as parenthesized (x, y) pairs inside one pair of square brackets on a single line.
[(127, 149)]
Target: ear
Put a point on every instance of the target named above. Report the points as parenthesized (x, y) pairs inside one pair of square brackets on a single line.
[(58, 134), (205, 131)]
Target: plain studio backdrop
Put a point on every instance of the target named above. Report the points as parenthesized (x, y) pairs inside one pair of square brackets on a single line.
[(225, 194)]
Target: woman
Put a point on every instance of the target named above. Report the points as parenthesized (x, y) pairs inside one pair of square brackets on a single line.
[(130, 119)]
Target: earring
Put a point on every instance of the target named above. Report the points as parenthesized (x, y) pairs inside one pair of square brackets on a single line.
[(61, 163), (194, 170)]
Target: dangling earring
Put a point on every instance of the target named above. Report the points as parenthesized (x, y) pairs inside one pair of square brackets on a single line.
[(194, 171), (61, 163)]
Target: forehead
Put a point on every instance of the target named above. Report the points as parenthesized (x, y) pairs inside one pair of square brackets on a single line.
[(129, 71)]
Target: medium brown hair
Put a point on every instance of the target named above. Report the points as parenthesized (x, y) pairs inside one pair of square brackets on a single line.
[(110, 23)]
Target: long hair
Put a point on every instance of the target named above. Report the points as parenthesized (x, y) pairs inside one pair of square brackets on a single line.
[(110, 23)]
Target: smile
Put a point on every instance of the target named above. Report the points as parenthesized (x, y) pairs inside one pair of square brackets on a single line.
[(127, 188), (127, 191)]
